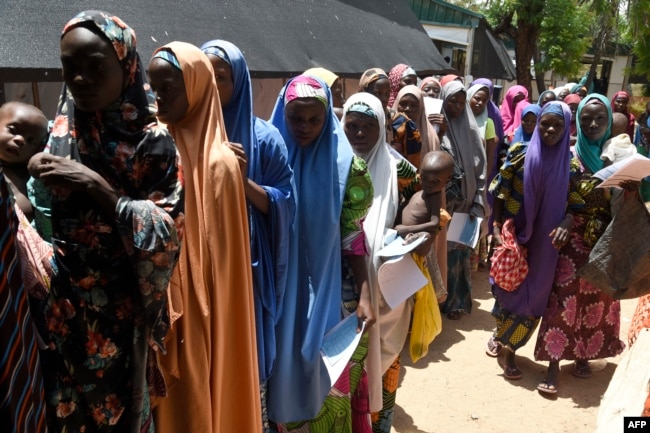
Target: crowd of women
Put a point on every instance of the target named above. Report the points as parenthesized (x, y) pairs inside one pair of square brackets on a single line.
[(198, 255)]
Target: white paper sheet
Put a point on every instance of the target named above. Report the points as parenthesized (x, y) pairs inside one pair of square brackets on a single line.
[(432, 105), (400, 278), (464, 230), (398, 248), (339, 345), (634, 168)]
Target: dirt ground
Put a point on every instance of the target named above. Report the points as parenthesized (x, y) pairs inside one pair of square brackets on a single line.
[(457, 388)]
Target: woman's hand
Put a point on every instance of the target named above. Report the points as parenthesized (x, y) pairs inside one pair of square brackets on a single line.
[(242, 159), (496, 235), (561, 233), (440, 120), (365, 312), (58, 172)]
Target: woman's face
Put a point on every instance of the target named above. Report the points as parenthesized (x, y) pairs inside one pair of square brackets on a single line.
[(362, 132), (593, 121), (91, 69), (409, 105), (223, 76), (478, 102), (574, 109), (518, 97), (620, 104), (381, 89), (431, 89), (305, 118), (551, 129), (548, 97), (337, 94), (455, 104), (563, 94), (409, 80), (528, 123), (168, 86)]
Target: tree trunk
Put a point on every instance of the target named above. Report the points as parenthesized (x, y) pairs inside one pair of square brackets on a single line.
[(539, 75), (524, 49)]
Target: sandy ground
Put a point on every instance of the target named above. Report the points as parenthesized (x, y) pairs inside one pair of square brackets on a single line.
[(457, 388)]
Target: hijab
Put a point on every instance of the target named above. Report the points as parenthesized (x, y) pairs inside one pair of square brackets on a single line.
[(449, 77), (369, 77), (428, 135), (214, 270), (630, 117), (573, 98), (311, 306), (493, 109), (589, 151), (325, 75), (508, 107), (428, 80), (463, 140), (541, 96), (521, 136), (482, 117), (394, 76), (268, 167)]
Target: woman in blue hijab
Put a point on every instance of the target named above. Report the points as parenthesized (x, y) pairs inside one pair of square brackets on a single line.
[(268, 183)]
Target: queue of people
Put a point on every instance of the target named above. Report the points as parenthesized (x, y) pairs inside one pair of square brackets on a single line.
[(171, 262)]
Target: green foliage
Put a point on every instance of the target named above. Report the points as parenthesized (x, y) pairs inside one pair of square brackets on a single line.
[(564, 37), (640, 35)]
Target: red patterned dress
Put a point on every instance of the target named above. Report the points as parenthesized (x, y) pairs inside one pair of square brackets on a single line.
[(581, 322)]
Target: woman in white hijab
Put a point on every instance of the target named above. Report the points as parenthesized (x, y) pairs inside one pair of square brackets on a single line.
[(392, 177)]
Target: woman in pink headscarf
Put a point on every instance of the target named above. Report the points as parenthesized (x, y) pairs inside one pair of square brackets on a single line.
[(401, 75), (515, 100)]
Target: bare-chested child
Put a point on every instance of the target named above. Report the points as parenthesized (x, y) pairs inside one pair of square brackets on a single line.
[(23, 131), (422, 214)]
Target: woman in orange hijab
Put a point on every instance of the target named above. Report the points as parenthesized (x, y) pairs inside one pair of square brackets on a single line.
[(211, 349)]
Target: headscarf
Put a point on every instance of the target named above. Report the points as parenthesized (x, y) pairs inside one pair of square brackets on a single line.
[(214, 283), (268, 167), (573, 98), (508, 108), (463, 140), (630, 117), (325, 75), (493, 109), (482, 117), (521, 136), (382, 164), (447, 78), (428, 80), (370, 76), (428, 135), (311, 306), (589, 151), (546, 181), (541, 96), (395, 76)]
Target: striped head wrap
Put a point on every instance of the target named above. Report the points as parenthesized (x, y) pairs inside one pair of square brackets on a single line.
[(304, 86)]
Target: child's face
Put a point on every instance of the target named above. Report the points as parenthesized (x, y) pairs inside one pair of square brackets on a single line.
[(22, 134), (433, 180)]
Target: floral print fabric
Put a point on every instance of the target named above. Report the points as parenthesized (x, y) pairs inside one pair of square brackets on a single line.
[(581, 322), (107, 304)]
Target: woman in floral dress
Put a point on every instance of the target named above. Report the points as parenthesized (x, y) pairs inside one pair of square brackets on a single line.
[(581, 322), (116, 189)]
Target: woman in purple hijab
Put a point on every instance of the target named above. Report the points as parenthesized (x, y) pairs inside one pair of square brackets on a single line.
[(536, 202)]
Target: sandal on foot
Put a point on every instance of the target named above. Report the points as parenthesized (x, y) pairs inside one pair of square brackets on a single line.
[(493, 348), (547, 387), (581, 370), (453, 315), (509, 372)]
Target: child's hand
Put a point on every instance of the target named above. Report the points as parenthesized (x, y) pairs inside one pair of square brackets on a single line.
[(402, 231)]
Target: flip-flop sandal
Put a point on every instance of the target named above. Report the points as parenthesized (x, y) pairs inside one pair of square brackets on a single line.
[(547, 387), (453, 315), (493, 348), (581, 371)]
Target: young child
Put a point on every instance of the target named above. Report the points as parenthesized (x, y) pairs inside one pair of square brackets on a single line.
[(23, 132), (619, 146), (423, 216), (423, 213)]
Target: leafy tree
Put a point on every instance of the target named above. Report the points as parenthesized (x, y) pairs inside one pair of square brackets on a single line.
[(639, 33)]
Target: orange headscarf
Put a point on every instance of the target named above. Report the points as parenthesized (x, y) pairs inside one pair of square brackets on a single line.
[(212, 347)]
